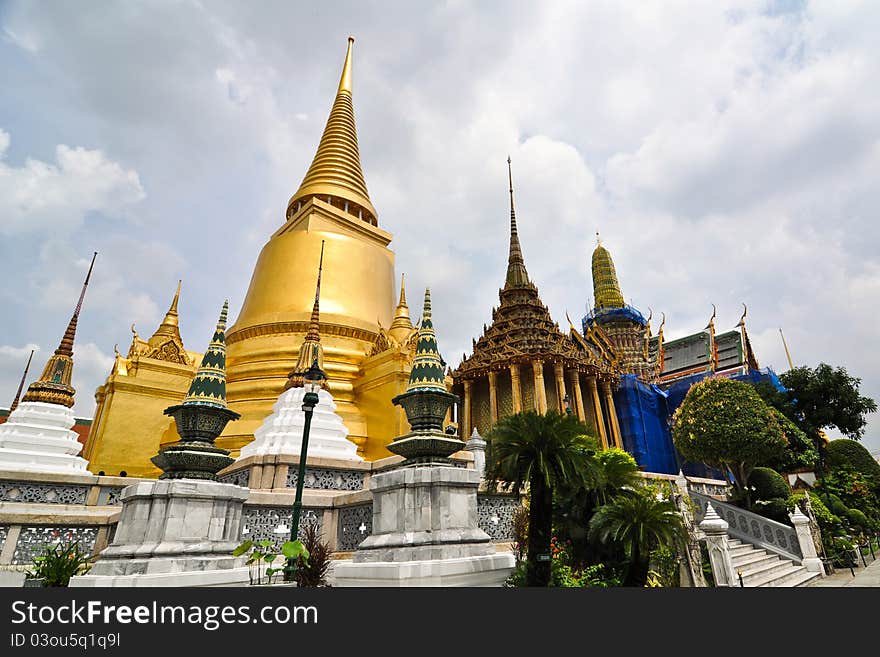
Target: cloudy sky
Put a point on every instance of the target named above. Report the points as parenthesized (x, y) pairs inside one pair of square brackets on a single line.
[(728, 152)]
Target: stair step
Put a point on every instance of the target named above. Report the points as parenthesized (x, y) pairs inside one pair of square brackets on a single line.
[(808, 579), (760, 572), (780, 578), (751, 558), (740, 550), (734, 542)]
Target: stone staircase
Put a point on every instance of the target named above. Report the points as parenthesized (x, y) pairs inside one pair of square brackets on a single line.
[(760, 567)]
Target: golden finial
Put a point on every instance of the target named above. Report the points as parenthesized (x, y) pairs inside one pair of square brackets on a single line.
[(742, 320), (711, 324), (336, 171), (787, 353), (517, 275), (311, 349), (598, 239), (662, 323), (345, 79), (402, 301)]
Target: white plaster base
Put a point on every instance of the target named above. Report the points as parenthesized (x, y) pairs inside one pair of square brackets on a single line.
[(37, 437), (230, 577), (489, 570), (281, 432), (174, 532)]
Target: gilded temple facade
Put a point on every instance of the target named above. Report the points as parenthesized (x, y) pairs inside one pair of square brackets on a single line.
[(522, 361)]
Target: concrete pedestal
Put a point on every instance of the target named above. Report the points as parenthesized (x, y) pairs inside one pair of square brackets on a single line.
[(425, 533), (177, 532)]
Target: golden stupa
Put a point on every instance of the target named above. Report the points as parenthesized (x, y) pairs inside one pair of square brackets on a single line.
[(366, 337)]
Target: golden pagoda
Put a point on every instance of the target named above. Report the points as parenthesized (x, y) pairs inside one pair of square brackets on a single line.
[(366, 365), (522, 361)]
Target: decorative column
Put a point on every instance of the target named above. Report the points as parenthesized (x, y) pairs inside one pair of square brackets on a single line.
[(597, 406), (465, 428), (516, 390), (560, 386), (715, 528), (574, 381), (493, 395), (801, 523), (477, 446), (540, 392), (612, 412)]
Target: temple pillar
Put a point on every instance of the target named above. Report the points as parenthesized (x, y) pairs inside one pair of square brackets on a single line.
[(516, 390), (466, 427), (560, 386), (574, 381), (615, 427), (493, 396), (540, 391), (597, 406)]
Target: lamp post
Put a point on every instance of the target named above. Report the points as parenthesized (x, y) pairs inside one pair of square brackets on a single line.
[(312, 381)]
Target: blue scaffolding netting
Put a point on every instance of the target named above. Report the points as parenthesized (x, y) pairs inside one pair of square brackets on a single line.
[(645, 411), (602, 315)]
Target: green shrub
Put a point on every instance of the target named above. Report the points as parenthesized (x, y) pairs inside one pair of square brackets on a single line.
[(58, 563), (846, 454), (768, 484), (836, 505), (857, 519)]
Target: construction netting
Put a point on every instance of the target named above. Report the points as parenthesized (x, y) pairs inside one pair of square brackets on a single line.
[(645, 411)]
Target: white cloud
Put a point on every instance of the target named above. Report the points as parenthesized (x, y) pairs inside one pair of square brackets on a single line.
[(39, 196)]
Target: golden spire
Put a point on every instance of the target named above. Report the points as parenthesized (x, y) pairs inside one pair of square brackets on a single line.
[(170, 325), (517, 276), (335, 173), (54, 387), (14, 404), (311, 349), (606, 289), (713, 348), (402, 326)]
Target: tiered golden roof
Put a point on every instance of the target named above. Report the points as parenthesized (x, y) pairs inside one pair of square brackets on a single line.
[(522, 329), (335, 175)]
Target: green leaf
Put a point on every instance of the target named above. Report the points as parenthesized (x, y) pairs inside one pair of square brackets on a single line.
[(271, 557), (272, 571), (295, 550), (266, 543), (241, 549)]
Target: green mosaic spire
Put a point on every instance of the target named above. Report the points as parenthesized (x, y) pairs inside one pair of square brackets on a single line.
[(209, 385), (427, 371)]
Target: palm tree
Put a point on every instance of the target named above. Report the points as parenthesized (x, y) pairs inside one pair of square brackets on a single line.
[(545, 451), (638, 522), (575, 505)]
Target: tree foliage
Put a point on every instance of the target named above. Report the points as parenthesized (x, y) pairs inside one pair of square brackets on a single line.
[(725, 424), (827, 397), (846, 454), (768, 484), (547, 452), (640, 523)]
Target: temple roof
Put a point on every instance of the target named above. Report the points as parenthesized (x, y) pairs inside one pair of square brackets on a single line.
[(336, 170), (427, 371), (522, 329)]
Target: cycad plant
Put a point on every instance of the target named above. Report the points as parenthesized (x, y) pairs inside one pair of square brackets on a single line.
[(545, 452), (638, 522)]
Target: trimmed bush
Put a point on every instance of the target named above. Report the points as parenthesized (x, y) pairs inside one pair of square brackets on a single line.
[(836, 505), (857, 519), (769, 484), (846, 454)]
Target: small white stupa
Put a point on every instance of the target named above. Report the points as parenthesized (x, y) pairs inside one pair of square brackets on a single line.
[(282, 431), (37, 435)]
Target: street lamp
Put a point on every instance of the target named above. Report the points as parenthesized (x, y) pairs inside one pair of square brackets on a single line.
[(312, 381)]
